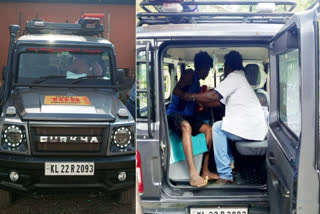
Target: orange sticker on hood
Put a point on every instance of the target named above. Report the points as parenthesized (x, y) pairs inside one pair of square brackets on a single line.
[(67, 100)]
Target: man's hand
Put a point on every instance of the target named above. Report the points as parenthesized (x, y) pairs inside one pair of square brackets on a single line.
[(206, 97), (209, 98)]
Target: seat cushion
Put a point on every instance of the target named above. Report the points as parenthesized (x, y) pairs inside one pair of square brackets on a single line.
[(252, 148), (199, 146)]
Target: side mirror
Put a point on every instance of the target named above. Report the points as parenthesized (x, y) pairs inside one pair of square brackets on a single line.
[(121, 76), (4, 72)]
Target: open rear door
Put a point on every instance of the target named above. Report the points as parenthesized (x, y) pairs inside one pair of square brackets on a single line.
[(146, 121), (293, 182)]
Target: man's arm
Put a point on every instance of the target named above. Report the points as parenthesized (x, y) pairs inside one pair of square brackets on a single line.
[(209, 98), (185, 80)]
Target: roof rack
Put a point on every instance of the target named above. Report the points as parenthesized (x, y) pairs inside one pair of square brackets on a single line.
[(159, 16), (37, 26)]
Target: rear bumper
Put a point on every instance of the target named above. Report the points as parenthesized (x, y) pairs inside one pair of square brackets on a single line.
[(31, 173), (181, 206)]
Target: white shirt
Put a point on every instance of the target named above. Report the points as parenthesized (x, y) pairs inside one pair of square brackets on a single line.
[(244, 116)]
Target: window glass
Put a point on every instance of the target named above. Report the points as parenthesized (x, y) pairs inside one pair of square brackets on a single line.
[(142, 90), (167, 82), (64, 66), (289, 99)]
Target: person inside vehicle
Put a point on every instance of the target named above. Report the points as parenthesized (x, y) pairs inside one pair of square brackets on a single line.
[(182, 119), (82, 66), (244, 118)]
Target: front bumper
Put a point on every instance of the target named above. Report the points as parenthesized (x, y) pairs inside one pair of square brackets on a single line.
[(31, 173)]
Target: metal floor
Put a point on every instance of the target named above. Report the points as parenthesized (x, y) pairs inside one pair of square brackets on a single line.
[(249, 171)]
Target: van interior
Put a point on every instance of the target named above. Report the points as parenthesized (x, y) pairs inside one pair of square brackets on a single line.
[(249, 167)]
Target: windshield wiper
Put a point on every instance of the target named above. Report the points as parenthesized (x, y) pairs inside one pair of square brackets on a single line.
[(83, 78), (45, 78)]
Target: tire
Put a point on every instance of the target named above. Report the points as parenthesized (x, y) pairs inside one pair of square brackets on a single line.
[(128, 197), (5, 198)]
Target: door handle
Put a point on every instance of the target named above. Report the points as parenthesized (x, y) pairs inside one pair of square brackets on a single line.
[(271, 158)]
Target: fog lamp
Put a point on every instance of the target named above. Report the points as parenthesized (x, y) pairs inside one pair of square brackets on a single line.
[(14, 176), (122, 176)]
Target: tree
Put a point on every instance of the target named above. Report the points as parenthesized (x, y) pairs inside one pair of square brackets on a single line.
[(303, 5)]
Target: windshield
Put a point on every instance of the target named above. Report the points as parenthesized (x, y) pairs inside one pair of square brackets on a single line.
[(65, 66)]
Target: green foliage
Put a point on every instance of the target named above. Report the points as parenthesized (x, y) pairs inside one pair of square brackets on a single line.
[(303, 5)]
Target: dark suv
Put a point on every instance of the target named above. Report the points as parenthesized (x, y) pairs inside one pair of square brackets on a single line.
[(62, 123)]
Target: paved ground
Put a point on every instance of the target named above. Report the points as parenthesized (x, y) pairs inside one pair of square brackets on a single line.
[(66, 203)]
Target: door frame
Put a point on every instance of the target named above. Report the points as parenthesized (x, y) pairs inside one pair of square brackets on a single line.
[(148, 129)]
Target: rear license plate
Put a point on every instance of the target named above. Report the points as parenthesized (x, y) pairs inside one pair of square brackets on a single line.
[(222, 210), (69, 168)]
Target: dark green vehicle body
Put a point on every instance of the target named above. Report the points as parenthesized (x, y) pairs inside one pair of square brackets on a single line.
[(64, 119)]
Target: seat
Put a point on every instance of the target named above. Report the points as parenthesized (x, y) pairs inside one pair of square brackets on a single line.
[(252, 74), (252, 148), (178, 169), (255, 148)]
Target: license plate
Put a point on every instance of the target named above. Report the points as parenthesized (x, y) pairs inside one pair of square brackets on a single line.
[(69, 168), (222, 210)]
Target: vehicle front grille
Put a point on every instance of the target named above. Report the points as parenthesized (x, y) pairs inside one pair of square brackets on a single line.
[(68, 140)]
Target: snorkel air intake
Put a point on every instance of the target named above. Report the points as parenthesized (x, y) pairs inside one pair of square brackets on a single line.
[(14, 30)]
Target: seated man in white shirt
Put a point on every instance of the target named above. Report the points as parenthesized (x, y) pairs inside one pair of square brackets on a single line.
[(82, 66), (244, 118)]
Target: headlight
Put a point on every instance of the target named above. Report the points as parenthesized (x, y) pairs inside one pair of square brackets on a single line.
[(122, 137), (122, 140), (13, 138)]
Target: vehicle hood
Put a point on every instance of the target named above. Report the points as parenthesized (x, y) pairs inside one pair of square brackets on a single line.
[(66, 104)]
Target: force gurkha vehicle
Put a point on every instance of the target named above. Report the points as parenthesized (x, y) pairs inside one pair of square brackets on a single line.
[(62, 123), (280, 51)]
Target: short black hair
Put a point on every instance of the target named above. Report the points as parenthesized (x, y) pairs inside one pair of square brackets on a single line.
[(202, 60), (234, 60)]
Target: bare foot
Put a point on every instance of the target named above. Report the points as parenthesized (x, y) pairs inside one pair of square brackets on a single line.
[(210, 175), (198, 181)]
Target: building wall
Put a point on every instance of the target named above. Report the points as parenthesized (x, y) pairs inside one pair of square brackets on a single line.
[(122, 24)]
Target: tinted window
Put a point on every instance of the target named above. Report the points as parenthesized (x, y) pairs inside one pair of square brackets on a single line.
[(289, 102)]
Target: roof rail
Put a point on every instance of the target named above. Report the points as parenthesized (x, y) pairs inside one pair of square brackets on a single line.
[(161, 17), (36, 26), (313, 4)]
